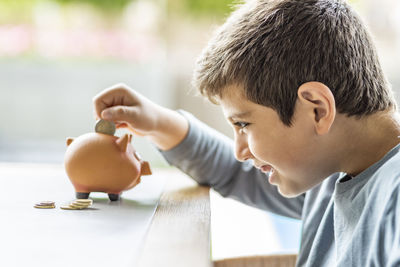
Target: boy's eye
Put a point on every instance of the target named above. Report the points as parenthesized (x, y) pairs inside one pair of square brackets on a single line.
[(241, 124)]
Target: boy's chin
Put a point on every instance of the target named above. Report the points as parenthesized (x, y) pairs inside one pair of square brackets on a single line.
[(287, 187), (289, 192)]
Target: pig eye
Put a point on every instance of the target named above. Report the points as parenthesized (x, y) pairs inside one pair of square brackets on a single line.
[(137, 156)]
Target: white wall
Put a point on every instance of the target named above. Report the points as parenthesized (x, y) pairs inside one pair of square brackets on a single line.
[(42, 103)]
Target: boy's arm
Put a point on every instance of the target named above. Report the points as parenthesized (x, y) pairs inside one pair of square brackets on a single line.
[(207, 156)]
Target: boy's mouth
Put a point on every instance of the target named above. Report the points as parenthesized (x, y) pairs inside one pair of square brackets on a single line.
[(269, 170), (265, 168)]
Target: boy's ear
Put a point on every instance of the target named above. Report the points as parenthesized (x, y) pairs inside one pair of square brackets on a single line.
[(319, 100)]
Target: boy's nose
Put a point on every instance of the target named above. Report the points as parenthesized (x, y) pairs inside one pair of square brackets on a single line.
[(242, 151)]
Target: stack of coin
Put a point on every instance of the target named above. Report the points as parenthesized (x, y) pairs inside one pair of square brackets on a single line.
[(45, 205), (105, 127), (78, 204)]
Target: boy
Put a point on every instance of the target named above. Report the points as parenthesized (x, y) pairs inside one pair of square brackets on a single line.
[(300, 82)]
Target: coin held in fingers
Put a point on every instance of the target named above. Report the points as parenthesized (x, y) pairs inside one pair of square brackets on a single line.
[(105, 127)]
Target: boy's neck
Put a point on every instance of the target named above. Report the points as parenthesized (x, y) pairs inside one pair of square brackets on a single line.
[(366, 140)]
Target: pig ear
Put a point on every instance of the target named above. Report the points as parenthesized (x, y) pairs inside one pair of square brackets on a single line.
[(122, 142), (145, 168), (69, 140)]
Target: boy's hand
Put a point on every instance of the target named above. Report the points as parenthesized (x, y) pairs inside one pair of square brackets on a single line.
[(127, 108)]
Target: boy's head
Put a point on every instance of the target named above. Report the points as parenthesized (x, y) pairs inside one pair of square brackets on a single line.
[(285, 60), (272, 47)]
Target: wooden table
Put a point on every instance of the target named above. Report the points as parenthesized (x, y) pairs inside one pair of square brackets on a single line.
[(177, 235), (180, 232)]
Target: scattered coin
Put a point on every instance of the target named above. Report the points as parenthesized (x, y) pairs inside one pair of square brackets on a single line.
[(105, 127), (72, 207), (78, 204), (76, 207), (85, 201), (45, 205), (67, 208)]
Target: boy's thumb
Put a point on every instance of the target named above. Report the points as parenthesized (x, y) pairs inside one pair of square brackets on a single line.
[(117, 113)]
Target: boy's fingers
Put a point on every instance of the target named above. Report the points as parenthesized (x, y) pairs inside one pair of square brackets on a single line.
[(127, 126), (99, 106), (121, 125), (119, 94), (118, 114)]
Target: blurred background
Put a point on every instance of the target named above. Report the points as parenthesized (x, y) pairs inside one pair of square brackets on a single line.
[(55, 55)]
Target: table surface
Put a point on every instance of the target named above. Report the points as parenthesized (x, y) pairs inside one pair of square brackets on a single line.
[(164, 221)]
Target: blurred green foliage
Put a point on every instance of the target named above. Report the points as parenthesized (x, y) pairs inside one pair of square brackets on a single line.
[(106, 5), (103, 5), (208, 7), (197, 7), (20, 10), (17, 11)]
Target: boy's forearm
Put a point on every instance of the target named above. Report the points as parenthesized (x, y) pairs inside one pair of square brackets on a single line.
[(172, 128)]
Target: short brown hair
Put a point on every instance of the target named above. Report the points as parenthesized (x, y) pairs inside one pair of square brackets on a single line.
[(272, 47)]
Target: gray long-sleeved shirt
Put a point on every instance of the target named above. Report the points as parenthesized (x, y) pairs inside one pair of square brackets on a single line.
[(346, 221)]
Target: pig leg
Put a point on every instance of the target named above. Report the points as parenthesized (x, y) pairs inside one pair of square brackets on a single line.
[(81, 195), (113, 197)]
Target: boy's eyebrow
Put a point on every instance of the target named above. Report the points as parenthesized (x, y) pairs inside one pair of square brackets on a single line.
[(240, 115)]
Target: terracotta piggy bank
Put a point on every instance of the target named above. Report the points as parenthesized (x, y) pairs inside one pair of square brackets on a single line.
[(97, 162)]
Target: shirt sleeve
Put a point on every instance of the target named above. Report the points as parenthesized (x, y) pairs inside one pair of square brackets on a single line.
[(207, 156)]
